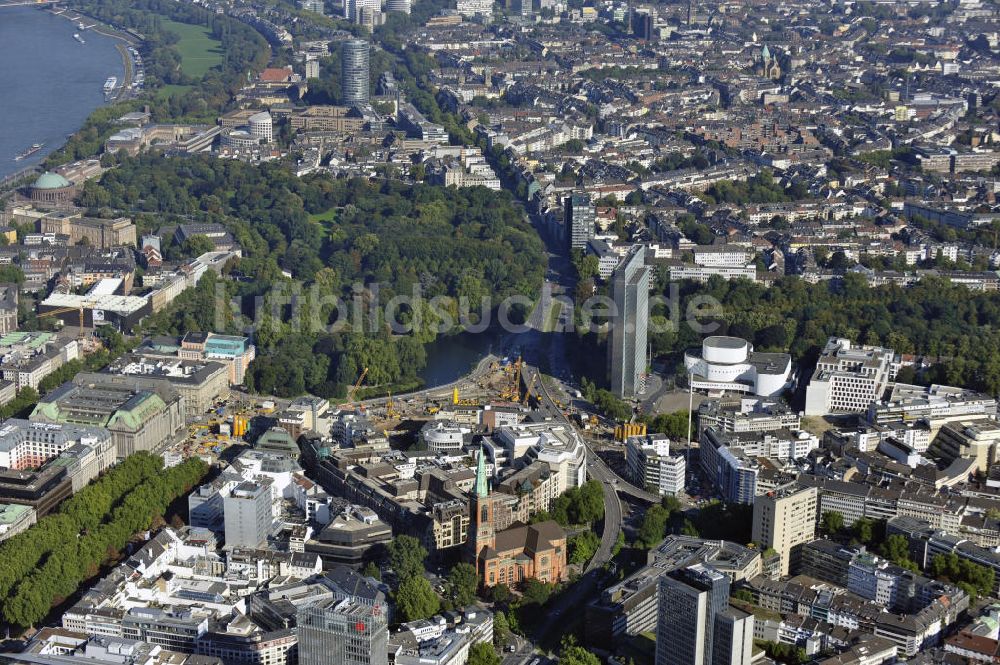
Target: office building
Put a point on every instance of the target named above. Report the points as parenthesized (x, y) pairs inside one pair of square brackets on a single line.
[(173, 629), (696, 625), (727, 468), (316, 6), (355, 536), (475, 8), (642, 25), (100, 233), (341, 119), (627, 337), (15, 518), (579, 217), (367, 13), (975, 439), (354, 57), (233, 351), (201, 384), (8, 308), (631, 606), (312, 69), (141, 413), (876, 579), (402, 6), (347, 630), (849, 378), (649, 464), (784, 520), (29, 445), (746, 414), (935, 403), (247, 515)]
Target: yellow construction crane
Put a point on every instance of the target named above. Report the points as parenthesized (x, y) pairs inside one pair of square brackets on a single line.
[(527, 391), (455, 399), (66, 310), (354, 389), (515, 383), (390, 408)]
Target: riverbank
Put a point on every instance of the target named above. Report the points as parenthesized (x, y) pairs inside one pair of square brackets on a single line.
[(48, 99), (124, 41)]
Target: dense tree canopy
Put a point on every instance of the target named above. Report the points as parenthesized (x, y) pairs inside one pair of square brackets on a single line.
[(407, 556), (483, 653), (579, 505), (45, 564), (415, 599), (933, 318), (339, 239), (463, 581)]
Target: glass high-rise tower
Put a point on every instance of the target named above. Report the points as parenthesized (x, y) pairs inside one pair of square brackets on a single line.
[(627, 338), (354, 80), (696, 625)]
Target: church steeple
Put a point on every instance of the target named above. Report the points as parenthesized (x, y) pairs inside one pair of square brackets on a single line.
[(482, 487), (482, 533)]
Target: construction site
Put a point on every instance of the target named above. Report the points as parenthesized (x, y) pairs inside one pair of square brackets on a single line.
[(501, 383), (498, 382)]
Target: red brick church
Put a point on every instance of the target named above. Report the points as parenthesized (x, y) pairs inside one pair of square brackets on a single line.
[(536, 551)]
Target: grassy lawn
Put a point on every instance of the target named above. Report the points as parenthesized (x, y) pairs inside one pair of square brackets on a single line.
[(167, 90), (324, 217), (199, 51)]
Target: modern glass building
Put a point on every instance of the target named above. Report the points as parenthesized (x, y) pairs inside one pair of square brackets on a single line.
[(579, 218), (354, 59), (347, 630), (627, 338), (696, 625)]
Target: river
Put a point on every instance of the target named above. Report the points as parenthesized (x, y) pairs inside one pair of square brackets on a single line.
[(452, 357), (50, 81)]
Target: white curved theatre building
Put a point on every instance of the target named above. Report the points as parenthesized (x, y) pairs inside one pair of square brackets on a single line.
[(730, 363)]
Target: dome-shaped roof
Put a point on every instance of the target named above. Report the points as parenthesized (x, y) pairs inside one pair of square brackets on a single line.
[(49, 180)]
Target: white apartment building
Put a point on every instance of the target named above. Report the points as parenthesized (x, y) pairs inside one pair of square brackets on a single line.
[(25, 444), (703, 273), (849, 378), (473, 8), (556, 445), (650, 465), (723, 256)]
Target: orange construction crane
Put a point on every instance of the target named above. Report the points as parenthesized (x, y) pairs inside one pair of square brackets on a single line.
[(66, 310)]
